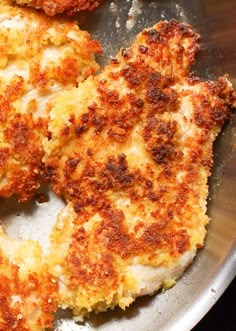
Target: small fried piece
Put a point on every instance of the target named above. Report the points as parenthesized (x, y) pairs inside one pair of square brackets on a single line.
[(53, 7), (131, 154), (39, 57), (28, 293)]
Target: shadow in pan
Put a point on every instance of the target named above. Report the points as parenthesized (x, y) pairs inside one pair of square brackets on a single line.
[(222, 316), (100, 319)]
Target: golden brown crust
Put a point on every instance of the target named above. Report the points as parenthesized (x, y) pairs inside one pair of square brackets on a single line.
[(53, 7), (11, 318), (28, 293), (39, 57), (132, 153), (24, 138)]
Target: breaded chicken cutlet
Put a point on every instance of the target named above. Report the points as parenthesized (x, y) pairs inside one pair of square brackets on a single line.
[(39, 57), (131, 151), (28, 293), (53, 7)]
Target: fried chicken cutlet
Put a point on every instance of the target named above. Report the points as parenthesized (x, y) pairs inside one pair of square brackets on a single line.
[(131, 154), (39, 57), (28, 293), (53, 7)]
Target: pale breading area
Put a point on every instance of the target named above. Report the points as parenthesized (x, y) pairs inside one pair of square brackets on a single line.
[(53, 7), (39, 57), (131, 151)]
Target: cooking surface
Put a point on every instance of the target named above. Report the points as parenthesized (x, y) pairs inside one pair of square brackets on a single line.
[(181, 307)]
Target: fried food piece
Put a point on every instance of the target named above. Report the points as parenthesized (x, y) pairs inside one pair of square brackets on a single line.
[(39, 57), (53, 7), (28, 293), (131, 154)]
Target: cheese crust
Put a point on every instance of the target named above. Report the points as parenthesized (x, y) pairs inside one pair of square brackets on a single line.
[(39, 58), (131, 151), (28, 292), (53, 7)]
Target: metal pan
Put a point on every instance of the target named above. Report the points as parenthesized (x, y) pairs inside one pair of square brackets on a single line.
[(115, 24)]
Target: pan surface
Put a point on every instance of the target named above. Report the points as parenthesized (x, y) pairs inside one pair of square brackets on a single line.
[(115, 25)]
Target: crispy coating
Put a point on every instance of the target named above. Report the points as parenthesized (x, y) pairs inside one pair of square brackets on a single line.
[(39, 57), (53, 7), (28, 293), (131, 154)]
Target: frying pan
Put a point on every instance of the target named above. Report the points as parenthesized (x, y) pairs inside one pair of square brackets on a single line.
[(115, 25)]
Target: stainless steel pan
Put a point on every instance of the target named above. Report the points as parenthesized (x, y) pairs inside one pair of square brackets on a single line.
[(180, 308)]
